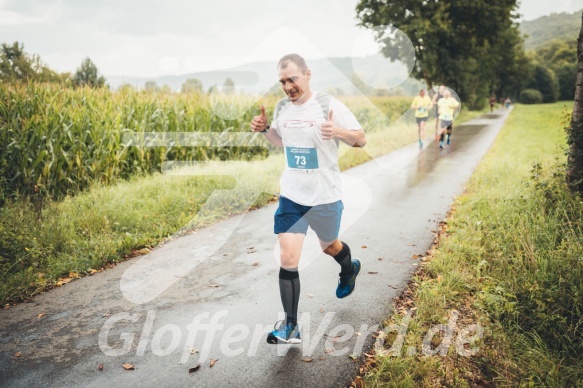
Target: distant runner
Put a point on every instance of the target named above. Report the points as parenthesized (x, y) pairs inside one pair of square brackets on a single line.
[(422, 104), (436, 97), (446, 107)]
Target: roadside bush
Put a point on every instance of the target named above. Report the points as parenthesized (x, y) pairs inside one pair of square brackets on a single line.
[(531, 96), (545, 80)]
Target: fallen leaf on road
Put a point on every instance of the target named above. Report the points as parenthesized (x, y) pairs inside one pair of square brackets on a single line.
[(415, 257), (143, 251), (255, 264), (17, 354), (213, 361), (372, 272), (194, 369), (368, 355), (41, 315), (364, 246), (91, 271), (380, 259), (214, 286), (100, 367), (329, 350), (128, 366), (358, 333), (310, 295), (353, 357), (251, 251), (193, 350), (225, 254), (307, 359), (321, 310), (106, 315), (62, 281)]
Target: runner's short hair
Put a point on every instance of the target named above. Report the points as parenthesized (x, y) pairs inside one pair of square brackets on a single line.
[(295, 58)]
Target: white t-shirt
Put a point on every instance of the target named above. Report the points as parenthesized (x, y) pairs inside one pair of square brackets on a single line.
[(311, 176)]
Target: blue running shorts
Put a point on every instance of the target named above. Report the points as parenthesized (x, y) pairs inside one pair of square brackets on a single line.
[(291, 217)]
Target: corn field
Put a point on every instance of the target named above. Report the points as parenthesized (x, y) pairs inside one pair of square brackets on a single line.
[(57, 141)]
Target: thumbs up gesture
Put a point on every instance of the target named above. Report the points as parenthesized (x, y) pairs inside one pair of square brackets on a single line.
[(259, 123), (328, 128)]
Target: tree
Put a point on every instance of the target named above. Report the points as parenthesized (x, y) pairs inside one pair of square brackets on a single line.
[(575, 135), (17, 65), (229, 86), (87, 74), (459, 43), (545, 81), (126, 88), (561, 58), (14, 63), (152, 87), (192, 85)]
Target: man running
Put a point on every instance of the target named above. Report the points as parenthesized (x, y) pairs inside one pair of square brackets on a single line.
[(492, 103), (309, 125), (446, 107), (436, 97), (421, 104)]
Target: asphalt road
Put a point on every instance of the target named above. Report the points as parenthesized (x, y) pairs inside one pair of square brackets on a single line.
[(214, 294)]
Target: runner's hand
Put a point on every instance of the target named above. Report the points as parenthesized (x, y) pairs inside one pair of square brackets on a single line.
[(328, 128), (259, 123)]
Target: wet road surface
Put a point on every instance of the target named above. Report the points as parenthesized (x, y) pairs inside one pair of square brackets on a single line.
[(214, 294)]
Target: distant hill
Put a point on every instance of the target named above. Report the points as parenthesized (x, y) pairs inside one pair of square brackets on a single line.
[(556, 26), (332, 75)]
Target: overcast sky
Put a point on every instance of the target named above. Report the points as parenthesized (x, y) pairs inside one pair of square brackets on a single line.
[(154, 38)]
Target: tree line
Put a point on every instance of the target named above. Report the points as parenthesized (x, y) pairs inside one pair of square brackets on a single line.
[(472, 46), (18, 65)]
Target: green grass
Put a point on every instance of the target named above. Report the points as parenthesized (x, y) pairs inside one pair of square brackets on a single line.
[(510, 261), (104, 224)]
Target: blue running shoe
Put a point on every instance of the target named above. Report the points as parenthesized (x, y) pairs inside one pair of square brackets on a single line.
[(346, 283), (287, 333)]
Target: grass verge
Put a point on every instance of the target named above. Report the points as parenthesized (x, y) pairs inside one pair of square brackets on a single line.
[(508, 261)]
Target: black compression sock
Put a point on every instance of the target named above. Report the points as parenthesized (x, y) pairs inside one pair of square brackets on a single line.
[(345, 260), (289, 289)]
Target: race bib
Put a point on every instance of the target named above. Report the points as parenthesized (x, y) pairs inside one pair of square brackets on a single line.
[(302, 159), (421, 110), (448, 117)]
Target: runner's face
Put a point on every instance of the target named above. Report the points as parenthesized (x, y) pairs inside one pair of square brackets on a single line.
[(295, 84)]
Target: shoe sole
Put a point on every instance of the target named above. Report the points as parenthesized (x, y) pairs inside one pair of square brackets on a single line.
[(274, 340)]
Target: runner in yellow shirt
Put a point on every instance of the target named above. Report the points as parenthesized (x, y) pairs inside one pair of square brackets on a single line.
[(446, 107), (421, 103)]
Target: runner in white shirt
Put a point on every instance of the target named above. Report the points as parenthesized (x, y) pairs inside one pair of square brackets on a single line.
[(309, 126)]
